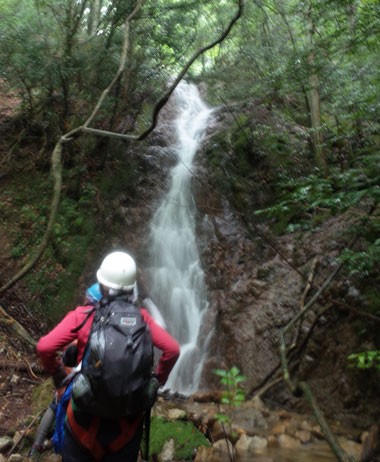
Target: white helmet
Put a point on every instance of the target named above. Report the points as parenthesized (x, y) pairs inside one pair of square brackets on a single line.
[(118, 271)]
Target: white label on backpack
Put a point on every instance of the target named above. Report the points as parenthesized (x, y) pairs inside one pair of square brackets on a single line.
[(128, 321)]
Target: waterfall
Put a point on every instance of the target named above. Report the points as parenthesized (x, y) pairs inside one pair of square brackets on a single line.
[(177, 280)]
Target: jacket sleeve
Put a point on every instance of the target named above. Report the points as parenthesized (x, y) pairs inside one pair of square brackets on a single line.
[(55, 341), (167, 344)]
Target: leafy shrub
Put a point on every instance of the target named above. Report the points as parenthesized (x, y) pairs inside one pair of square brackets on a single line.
[(365, 359)]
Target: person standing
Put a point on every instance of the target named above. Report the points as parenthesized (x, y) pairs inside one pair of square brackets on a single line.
[(89, 436)]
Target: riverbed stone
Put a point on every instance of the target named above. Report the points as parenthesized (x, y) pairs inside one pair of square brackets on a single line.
[(250, 419), (288, 442), (222, 449), (167, 453), (258, 442), (291, 428), (176, 414), (272, 441), (217, 431), (317, 432), (243, 444), (305, 425), (279, 428), (351, 447), (304, 436)]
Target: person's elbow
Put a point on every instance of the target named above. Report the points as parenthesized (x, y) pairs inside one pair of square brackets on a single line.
[(175, 351), (45, 354), (42, 347)]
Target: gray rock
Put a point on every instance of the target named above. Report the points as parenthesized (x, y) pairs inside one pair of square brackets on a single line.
[(287, 442), (258, 442), (223, 448), (15, 458), (250, 419), (176, 414), (5, 443), (167, 453)]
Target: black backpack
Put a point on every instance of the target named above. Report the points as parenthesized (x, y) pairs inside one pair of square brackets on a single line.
[(117, 362)]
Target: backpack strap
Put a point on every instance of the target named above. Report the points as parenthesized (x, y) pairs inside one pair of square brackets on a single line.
[(89, 313), (87, 436)]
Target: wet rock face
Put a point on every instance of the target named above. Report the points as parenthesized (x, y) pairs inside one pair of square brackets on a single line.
[(250, 296), (254, 290), (154, 161)]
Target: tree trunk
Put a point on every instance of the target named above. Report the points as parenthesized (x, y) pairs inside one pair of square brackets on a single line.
[(314, 99), (94, 17)]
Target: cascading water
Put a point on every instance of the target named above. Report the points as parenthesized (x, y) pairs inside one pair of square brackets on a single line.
[(177, 279)]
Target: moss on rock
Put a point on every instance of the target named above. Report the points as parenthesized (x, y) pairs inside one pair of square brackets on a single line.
[(43, 395), (187, 438)]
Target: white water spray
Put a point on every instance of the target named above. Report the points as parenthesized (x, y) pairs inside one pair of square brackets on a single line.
[(177, 279)]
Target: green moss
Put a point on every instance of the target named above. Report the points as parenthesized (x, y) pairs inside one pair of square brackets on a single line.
[(42, 395), (187, 438)]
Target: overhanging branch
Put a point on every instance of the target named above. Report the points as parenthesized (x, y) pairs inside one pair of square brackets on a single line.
[(56, 158)]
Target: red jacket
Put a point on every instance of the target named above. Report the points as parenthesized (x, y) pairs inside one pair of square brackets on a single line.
[(58, 338)]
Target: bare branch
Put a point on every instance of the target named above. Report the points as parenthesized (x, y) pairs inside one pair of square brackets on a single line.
[(161, 103), (56, 159)]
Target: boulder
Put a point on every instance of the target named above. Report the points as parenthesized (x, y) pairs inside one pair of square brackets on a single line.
[(6, 443), (176, 414)]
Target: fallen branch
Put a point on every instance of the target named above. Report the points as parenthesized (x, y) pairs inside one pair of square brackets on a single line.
[(17, 328), (345, 306), (31, 372), (308, 286), (298, 388), (24, 433), (339, 452), (16, 365)]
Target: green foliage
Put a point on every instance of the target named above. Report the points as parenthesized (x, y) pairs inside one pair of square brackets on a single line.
[(300, 201), (232, 395), (53, 282), (363, 263), (365, 359), (186, 437)]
